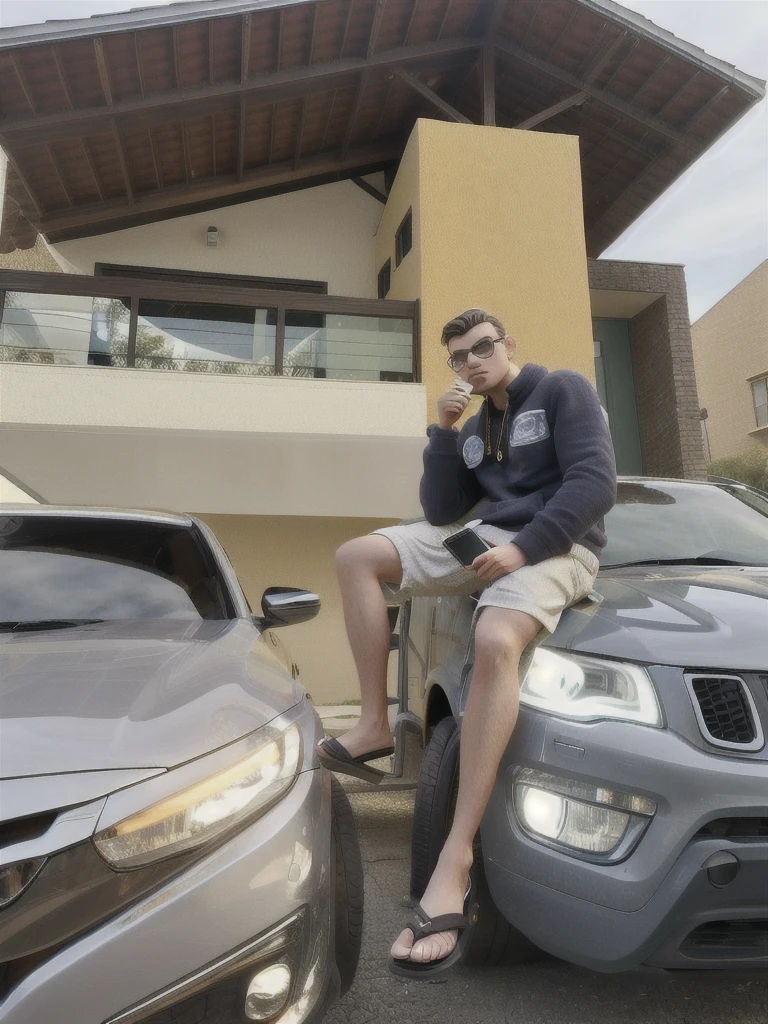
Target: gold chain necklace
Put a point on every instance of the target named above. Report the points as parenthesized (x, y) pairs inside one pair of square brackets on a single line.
[(499, 451)]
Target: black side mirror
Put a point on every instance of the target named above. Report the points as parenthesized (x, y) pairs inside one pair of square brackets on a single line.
[(285, 606)]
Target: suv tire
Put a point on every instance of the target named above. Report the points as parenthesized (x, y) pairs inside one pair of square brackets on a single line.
[(348, 887)]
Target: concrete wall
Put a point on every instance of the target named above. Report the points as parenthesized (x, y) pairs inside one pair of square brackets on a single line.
[(662, 356), (320, 234), (497, 223), (730, 346), (298, 551), (37, 258)]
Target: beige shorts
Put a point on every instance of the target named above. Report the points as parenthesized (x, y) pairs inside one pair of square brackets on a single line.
[(543, 590)]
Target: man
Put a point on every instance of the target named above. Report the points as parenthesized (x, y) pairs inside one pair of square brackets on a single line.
[(536, 465)]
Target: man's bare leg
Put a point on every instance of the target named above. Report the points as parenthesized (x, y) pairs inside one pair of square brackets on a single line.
[(361, 564), (490, 715)]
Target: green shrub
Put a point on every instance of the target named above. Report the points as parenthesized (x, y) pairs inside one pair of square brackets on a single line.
[(750, 466)]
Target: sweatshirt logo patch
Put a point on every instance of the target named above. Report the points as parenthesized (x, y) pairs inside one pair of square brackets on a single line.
[(528, 427), (473, 451)]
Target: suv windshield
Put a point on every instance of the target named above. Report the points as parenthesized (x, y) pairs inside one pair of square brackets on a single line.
[(73, 569), (675, 521)]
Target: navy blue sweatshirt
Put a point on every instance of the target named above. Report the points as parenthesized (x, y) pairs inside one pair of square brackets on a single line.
[(557, 478)]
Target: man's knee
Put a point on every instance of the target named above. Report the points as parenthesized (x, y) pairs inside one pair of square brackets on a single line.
[(504, 633), (371, 553)]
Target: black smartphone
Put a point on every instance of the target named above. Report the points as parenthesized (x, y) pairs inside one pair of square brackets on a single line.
[(466, 545)]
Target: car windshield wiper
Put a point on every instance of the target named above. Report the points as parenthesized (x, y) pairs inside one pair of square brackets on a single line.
[(690, 560), (30, 625)]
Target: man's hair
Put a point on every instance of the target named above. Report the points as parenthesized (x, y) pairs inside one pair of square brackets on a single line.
[(466, 321)]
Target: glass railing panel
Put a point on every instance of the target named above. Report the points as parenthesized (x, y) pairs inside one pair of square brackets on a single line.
[(72, 330), (345, 347), (205, 337)]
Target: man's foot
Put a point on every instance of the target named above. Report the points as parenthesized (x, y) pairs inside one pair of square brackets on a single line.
[(444, 895), (362, 739)]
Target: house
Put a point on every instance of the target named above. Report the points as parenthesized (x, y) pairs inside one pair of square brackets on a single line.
[(730, 352), (261, 214)]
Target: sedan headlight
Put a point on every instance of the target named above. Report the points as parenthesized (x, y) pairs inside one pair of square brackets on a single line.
[(203, 811), (577, 686)]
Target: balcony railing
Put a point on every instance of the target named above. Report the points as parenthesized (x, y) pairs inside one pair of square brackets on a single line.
[(75, 320)]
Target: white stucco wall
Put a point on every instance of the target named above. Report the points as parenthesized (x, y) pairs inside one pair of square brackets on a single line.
[(319, 234)]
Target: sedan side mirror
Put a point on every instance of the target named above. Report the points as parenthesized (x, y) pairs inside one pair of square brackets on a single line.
[(285, 606)]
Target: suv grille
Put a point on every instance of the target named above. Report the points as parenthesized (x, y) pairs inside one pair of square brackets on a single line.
[(727, 940), (725, 711)]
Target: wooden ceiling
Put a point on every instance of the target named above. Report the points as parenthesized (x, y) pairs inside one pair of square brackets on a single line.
[(121, 120)]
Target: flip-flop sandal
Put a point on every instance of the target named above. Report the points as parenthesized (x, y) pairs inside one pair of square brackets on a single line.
[(422, 925), (337, 758)]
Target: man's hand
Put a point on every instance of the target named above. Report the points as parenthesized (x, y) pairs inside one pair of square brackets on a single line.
[(499, 561), (450, 407)]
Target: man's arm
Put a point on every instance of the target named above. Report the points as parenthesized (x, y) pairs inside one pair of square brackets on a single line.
[(448, 489), (585, 453)]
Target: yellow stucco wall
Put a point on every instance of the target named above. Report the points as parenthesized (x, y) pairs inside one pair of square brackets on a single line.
[(298, 551), (497, 223), (730, 346)]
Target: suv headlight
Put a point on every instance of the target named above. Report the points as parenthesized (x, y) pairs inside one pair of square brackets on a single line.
[(201, 812), (577, 686)]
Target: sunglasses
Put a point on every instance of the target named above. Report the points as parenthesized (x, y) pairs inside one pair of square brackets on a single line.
[(483, 349)]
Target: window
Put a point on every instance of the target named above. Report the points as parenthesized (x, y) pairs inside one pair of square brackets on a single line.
[(385, 277), (760, 401), (404, 239)]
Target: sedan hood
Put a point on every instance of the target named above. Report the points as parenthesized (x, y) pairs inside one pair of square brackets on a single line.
[(145, 694), (674, 615)]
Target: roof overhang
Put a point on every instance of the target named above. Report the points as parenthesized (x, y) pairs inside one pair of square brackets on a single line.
[(122, 119)]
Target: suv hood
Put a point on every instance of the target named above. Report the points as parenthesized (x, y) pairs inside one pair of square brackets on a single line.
[(144, 694), (674, 615)]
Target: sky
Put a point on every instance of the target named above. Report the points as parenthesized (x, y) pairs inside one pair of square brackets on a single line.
[(714, 219)]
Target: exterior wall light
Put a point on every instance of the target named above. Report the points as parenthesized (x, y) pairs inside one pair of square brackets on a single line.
[(212, 236)]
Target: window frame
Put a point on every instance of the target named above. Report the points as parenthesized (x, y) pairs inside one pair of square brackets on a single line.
[(762, 379), (399, 253), (386, 269)]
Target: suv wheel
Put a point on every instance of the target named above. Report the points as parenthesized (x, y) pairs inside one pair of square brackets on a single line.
[(348, 887), (494, 940)]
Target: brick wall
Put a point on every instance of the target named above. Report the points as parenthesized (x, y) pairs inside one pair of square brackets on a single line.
[(665, 379)]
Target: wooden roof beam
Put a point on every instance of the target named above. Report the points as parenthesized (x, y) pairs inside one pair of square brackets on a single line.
[(488, 68), (245, 46), (557, 108), (101, 63), (241, 138), (176, 58), (23, 81), (100, 214), (139, 67), (62, 78), (274, 85), (370, 189), (378, 17), (123, 162), (347, 23), (431, 95), (300, 133), (600, 96)]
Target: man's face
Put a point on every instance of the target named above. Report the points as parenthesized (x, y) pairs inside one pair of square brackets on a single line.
[(483, 373)]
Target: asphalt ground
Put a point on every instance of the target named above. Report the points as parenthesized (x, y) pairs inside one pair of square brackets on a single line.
[(545, 992)]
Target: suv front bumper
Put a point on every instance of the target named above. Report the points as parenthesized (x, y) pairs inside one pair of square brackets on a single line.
[(645, 909)]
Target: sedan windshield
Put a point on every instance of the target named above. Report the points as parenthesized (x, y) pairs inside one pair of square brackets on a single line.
[(70, 570), (682, 522)]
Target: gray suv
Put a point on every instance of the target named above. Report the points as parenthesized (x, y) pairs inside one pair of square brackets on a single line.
[(628, 824), (170, 848)]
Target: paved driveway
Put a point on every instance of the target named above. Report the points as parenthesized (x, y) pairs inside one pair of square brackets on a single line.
[(548, 992)]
